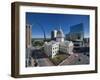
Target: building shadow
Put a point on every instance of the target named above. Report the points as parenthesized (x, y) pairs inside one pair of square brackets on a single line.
[(38, 54), (81, 49)]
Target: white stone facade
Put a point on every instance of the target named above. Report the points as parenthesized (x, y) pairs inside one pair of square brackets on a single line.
[(57, 35), (53, 47), (59, 45), (66, 47), (60, 36)]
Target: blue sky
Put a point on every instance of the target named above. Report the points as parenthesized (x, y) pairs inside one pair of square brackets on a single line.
[(53, 21)]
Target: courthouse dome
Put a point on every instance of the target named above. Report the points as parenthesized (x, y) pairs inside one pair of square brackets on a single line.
[(60, 33)]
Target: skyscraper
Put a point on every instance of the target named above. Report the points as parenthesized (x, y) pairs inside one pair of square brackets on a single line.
[(77, 32), (28, 35), (53, 34), (28, 44)]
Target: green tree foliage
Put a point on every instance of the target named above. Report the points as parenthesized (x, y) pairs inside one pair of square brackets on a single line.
[(37, 43)]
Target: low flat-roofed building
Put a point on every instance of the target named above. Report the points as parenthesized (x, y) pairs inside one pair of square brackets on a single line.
[(66, 47)]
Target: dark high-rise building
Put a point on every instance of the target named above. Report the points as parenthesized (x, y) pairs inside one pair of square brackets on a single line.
[(76, 34), (53, 34)]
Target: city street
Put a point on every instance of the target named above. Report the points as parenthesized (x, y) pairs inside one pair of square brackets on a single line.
[(78, 57), (81, 56), (40, 58)]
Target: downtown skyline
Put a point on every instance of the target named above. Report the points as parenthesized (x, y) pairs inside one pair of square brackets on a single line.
[(49, 22)]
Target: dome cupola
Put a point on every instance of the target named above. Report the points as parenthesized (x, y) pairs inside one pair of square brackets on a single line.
[(60, 33)]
